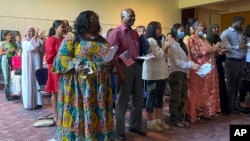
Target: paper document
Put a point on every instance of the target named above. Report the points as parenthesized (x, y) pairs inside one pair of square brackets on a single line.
[(146, 57), (111, 53), (204, 69), (248, 55)]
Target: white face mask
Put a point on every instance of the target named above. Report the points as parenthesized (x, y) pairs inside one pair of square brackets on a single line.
[(201, 33)]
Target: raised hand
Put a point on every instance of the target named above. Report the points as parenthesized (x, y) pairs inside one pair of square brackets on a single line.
[(167, 44)]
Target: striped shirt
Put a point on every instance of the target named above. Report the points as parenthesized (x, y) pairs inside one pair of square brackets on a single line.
[(231, 39), (126, 39)]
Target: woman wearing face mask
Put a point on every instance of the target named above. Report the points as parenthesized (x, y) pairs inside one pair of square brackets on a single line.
[(178, 78), (203, 97)]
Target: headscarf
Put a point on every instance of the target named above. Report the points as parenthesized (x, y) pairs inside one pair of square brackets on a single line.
[(27, 38), (212, 38)]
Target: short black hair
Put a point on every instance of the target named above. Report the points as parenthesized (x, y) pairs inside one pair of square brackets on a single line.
[(83, 20), (189, 24), (238, 19), (6, 33)]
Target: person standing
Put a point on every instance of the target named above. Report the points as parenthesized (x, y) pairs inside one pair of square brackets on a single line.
[(203, 96), (245, 83), (129, 81), (18, 41), (7, 50), (214, 39), (84, 94), (155, 78), (233, 39), (52, 45), (33, 51), (178, 76)]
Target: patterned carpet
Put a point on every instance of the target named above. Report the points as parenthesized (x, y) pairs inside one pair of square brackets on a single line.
[(16, 124)]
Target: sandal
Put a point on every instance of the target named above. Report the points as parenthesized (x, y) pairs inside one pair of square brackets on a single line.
[(185, 123), (199, 120), (179, 124), (208, 117)]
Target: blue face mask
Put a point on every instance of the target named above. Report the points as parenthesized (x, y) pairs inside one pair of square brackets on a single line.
[(180, 35), (201, 33)]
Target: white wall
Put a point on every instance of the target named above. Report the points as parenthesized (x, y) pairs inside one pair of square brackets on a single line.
[(18, 14)]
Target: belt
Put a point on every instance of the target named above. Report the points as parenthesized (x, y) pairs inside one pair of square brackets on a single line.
[(236, 59)]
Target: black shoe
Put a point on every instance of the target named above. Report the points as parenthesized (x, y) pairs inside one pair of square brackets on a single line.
[(226, 113), (38, 107), (235, 112), (140, 132), (121, 137)]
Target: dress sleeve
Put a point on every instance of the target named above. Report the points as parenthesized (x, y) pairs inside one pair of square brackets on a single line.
[(65, 60), (50, 51)]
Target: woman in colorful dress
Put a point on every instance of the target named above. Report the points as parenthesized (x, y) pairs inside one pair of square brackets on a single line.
[(7, 50), (52, 46), (203, 95), (84, 96)]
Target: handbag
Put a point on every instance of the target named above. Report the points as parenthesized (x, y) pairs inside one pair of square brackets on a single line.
[(18, 72)]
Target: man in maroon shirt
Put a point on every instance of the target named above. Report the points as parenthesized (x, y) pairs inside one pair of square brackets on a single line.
[(129, 81)]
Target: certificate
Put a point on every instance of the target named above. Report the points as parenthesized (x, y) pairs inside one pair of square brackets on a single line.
[(204, 69), (111, 53)]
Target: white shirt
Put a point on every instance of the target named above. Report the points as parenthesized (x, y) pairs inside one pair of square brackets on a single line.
[(178, 58), (156, 68)]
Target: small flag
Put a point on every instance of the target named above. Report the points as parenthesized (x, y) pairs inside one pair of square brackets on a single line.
[(127, 60)]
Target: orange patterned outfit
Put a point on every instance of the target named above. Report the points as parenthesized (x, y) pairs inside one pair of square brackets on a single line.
[(203, 94)]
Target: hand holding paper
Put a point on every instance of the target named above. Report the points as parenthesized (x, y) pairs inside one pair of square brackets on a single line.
[(205, 69), (111, 53)]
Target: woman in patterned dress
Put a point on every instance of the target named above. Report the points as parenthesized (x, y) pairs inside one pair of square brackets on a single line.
[(84, 96), (203, 95)]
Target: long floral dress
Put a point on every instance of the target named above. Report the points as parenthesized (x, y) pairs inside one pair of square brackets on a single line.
[(203, 94), (84, 103)]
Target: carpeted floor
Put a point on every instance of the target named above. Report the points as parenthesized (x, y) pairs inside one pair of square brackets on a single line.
[(16, 124)]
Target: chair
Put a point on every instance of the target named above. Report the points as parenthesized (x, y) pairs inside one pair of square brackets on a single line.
[(41, 77)]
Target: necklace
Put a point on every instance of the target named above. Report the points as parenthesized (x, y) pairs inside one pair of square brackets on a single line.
[(90, 36)]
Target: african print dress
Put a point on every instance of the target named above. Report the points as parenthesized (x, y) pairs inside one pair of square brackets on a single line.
[(84, 101)]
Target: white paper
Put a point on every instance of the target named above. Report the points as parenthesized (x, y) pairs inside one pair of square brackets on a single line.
[(146, 57), (204, 69), (248, 55), (111, 53)]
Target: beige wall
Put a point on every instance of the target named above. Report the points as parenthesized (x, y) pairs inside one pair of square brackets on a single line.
[(192, 3), (41, 13), (208, 17)]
